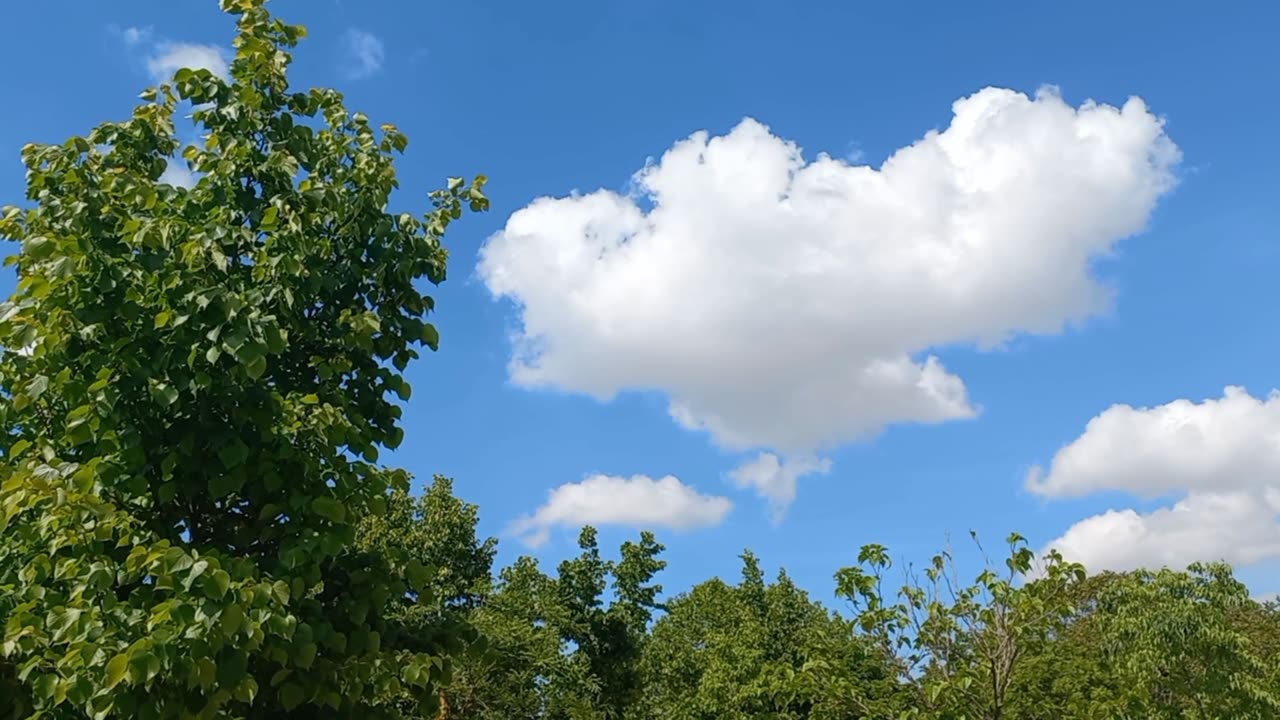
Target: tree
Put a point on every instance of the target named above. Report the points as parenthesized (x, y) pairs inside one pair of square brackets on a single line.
[(552, 647), (1051, 642), (528, 672), (196, 390), (611, 638), (437, 532), (1163, 644), (758, 650), (960, 649), (1178, 640)]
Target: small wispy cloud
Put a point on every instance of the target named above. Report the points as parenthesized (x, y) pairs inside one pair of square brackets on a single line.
[(169, 57), (775, 479), (163, 57), (363, 54), (133, 35)]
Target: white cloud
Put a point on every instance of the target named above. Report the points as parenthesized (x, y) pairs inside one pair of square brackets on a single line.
[(638, 501), (1215, 445), (791, 306), (169, 57), (135, 35), (775, 479), (1221, 457), (162, 58), (1238, 527), (364, 53)]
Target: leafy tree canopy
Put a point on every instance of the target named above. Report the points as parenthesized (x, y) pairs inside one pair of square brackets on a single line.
[(197, 384)]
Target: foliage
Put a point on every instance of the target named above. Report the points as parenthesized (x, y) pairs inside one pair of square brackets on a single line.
[(529, 672), (1160, 644), (1039, 640), (758, 651), (197, 390), (537, 646), (558, 650), (958, 647), (1051, 642), (1176, 640), (436, 532)]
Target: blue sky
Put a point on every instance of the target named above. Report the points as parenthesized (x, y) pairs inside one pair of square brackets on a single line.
[(880, 267)]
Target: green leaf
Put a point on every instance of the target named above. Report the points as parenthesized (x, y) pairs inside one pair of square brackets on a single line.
[(144, 666), (232, 618), (36, 387), (233, 454), (256, 367), (280, 591), (164, 394), (269, 218), (162, 318), (329, 508), (225, 484), (45, 686), (216, 584), (305, 655), (276, 339), (291, 696), (418, 575), (79, 433), (197, 569), (38, 248), (117, 667), (247, 691), (206, 671), (280, 676), (430, 336)]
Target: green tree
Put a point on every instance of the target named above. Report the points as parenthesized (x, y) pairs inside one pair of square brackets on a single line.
[(566, 647), (437, 532), (1180, 644), (197, 386), (1260, 622), (960, 649), (528, 671), (758, 650), (1049, 642), (1163, 644), (611, 637)]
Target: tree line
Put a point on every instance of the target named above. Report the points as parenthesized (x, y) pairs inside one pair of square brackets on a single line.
[(1037, 638), (196, 384)]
